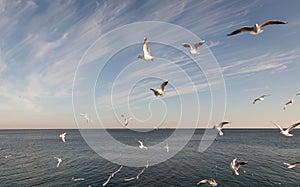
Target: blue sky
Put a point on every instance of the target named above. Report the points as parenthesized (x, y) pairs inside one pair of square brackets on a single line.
[(43, 43)]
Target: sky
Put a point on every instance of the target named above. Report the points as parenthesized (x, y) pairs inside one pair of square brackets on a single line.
[(62, 58)]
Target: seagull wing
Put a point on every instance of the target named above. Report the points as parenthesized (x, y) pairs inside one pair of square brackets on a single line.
[(238, 164), (272, 22), (295, 163), (290, 128), (186, 45), (107, 181), (154, 91), (196, 45), (205, 181), (163, 85), (223, 123), (146, 48), (130, 179), (277, 126), (242, 29), (141, 143)]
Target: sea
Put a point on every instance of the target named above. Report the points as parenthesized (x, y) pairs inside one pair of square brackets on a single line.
[(32, 164)]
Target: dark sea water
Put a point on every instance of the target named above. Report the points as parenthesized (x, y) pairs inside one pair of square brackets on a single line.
[(32, 162)]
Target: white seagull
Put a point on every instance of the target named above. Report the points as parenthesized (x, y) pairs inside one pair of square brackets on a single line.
[(234, 165), (59, 160), (77, 179), (126, 119), (194, 50), (261, 98), (141, 146), (86, 116), (146, 51), (211, 182), (291, 165), (220, 126), (63, 136), (167, 147), (290, 101), (160, 92), (288, 130), (256, 29), (6, 156)]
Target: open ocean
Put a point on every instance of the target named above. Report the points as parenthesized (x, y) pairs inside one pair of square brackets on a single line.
[(32, 162)]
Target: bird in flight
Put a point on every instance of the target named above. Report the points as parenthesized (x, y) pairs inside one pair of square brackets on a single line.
[(211, 182), (141, 146), (126, 119), (160, 92), (146, 50), (291, 165), (288, 130), (234, 165), (261, 98), (256, 29), (59, 160), (194, 49), (63, 137), (86, 117), (290, 101), (220, 126)]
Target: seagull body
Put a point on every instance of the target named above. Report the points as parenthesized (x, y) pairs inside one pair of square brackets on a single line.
[(146, 51), (211, 182), (288, 130), (77, 179), (126, 119), (141, 146), (291, 165), (167, 147), (261, 98), (220, 126), (160, 92), (256, 29), (7, 156), (85, 116), (59, 160), (234, 165), (194, 49), (63, 137), (290, 101)]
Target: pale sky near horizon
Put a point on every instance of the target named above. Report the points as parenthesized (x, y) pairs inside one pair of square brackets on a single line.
[(43, 42)]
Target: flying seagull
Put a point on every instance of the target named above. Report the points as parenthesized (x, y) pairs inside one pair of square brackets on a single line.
[(167, 147), (211, 182), (126, 119), (256, 29), (288, 130), (138, 175), (261, 98), (234, 165), (291, 165), (63, 136), (146, 51), (290, 101), (85, 116), (194, 49), (220, 126), (77, 179), (141, 146), (6, 156), (160, 92), (59, 160)]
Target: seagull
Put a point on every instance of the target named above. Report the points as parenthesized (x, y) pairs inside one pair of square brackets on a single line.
[(146, 51), (290, 101), (77, 179), (261, 98), (139, 174), (59, 160), (7, 156), (234, 165), (141, 146), (63, 136), (85, 116), (220, 126), (256, 29), (194, 50), (160, 92), (211, 182), (126, 119), (111, 176), (287, 131), (167, 147), (130, 179), (291, 165)]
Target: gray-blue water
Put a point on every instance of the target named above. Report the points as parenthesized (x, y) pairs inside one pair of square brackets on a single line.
[(32, 162)]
